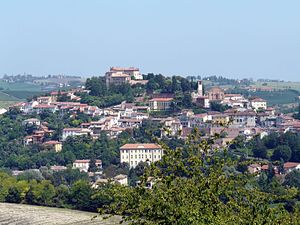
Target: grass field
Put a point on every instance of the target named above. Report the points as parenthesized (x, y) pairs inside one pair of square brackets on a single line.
[(10, 93), (19, 86), (7, 97), (6, 104), (22, 94), (19, 214), (278, 97), (279, 85)]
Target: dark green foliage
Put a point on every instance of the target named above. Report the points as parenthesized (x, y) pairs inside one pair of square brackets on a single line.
[(80, 194), (68, 177), (102, 96), (297, 115), (169, 85), (192, 186), (293, 179), (14, 195), (216, 106), (282, 152), (260, 151), (92, 165), (285, 146)]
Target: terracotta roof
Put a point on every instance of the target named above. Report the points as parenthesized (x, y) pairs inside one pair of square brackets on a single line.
[(233, 95), (265, 167), (43, 106), (56, 93), (85, 161), (161, 99), (57, 168), (51, 142), (72, 129), (123, 69), (255, 165), (215, 89), (243, 113), (289, 165), (141, 146), (258, 100), (44, 97)]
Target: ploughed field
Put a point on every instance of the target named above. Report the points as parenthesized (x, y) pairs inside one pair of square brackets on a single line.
[(36, 215)]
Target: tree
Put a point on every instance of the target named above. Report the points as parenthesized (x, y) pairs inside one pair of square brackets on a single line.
[(260, 151), (151, 85), (292, 179), (271, 141), (297, 115), (283, 152), (92, 166), (187, 100), (14, 195), (185, 85), (216, 106), (175, 85), (81, 193), (97, 86)]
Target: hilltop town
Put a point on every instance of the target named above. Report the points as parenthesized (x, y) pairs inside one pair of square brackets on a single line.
[(173, 111), (115, 127)]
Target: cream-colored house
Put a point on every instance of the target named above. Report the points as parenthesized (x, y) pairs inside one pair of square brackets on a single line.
[(258, 103), (133, 154), (84, 164), (158, 104)]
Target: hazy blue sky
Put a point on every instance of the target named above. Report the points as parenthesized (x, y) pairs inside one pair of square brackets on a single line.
[(254, 38)]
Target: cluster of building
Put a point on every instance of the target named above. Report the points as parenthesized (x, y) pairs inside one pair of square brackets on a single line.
[(248, 117), (118, 76), (216, 94), (287, 167), (41, 135)]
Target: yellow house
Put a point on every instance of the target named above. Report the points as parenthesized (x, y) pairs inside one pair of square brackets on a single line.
[(53, 145)]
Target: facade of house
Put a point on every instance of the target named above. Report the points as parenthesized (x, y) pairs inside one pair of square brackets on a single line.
[(160, 104), (131, 71), (84, 164), (46, 100), (258, 103), (243, 118), (203, 101), (133, 154), (74, 132), (118, 76), (31, 122), (172, 127), (216, 94), (254, 168), (53, 145)]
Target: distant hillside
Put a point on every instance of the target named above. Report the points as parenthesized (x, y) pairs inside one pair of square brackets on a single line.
[(25, 214)]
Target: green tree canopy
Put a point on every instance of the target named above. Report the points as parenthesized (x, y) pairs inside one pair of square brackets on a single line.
[(190, 186)]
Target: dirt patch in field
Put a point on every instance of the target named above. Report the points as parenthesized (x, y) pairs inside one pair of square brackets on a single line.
[(36, 215)]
